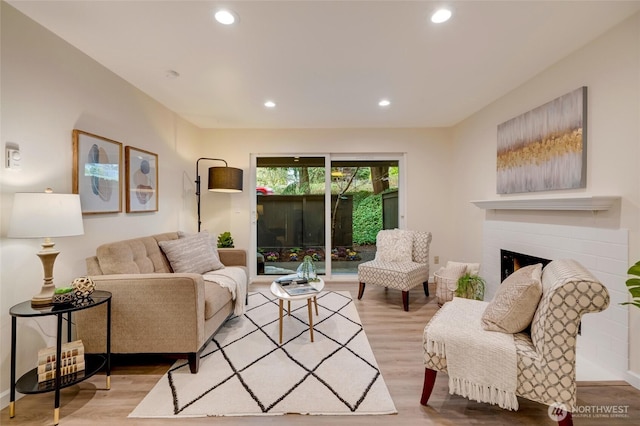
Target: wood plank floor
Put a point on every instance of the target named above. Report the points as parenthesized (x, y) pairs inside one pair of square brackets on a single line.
[(396, 339)]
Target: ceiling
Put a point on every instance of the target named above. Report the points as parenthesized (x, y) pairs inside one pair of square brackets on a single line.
[(326, 64)]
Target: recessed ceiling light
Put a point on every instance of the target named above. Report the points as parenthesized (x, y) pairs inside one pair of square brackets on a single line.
[(225, 17), (440, 16), (384, 102), (270, 104)]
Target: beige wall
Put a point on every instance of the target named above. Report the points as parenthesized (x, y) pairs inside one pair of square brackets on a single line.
[(48, 89), (610, 68), (428, 153)]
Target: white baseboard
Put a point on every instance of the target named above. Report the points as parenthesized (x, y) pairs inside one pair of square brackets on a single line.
[(633, 379)]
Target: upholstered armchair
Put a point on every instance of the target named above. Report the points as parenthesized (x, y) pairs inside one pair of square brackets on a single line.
[(401, 262), (543, 366)]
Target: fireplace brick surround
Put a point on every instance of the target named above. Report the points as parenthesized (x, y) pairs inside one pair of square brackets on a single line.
[(604, 342)]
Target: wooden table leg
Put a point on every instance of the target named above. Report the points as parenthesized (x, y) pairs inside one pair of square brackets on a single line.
[(310, 318), (281, 308), (315, 301), (288, 308)]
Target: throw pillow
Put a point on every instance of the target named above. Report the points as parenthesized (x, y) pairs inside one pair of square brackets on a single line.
[(515, 302), (472, 268), (394, 245), (193, 253), (451, 273)]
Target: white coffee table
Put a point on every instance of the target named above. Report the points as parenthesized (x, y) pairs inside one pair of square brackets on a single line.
[(278, 291)]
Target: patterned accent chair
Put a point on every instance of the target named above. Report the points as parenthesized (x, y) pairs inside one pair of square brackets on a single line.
[(401, 262), (546, 357)]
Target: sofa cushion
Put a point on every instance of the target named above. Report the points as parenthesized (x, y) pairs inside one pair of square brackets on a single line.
[(135, 256), (515, 302), (215, 297), (193, 253), (394, 245)]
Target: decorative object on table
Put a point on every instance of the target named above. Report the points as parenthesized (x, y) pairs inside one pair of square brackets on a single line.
[(307, 269), (97, 169), (141, 180), (446, 280), (254, 391), (633, 285), (225, 240), (471, 286), (45, 214), (83, 287), (221, 179), (71, 360), (63, 295), (545, 148)]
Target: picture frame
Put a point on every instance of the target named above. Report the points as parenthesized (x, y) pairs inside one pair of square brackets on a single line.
[(97, 173), (141, 182)]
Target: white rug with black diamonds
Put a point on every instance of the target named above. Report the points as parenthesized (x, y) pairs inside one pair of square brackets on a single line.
[(245, 372)]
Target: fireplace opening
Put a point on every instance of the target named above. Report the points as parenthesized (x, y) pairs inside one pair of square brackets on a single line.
[(511, 261)]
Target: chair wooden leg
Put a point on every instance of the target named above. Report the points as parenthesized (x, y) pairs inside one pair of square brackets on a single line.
[(361, 290), (425, 285), (427, 386), (567, 421), (405, 300)]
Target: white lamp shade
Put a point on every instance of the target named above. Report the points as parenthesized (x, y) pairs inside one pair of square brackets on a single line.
[(45, 215)]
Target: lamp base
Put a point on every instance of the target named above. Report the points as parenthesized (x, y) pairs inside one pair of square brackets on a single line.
[(44, 298), (48, 256)]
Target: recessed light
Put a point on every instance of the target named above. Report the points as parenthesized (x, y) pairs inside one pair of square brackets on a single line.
[(384, 102), (225, 17), (270, 104), (440, 16)]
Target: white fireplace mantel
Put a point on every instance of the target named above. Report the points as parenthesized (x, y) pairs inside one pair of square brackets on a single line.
[(589, 203)]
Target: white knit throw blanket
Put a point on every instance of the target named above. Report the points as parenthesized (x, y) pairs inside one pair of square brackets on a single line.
[(233, 279), (482, 364)]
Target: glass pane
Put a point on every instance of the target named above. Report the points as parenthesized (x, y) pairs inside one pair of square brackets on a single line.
[(290, 213), (364, 200)]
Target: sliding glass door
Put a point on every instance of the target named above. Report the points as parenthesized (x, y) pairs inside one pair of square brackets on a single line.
[(328, 207)]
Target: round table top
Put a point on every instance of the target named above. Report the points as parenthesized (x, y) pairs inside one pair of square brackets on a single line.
[(280, 293)]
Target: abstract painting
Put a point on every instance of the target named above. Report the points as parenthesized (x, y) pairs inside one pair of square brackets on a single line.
[(546, 148), (141, 170), (97, 165)]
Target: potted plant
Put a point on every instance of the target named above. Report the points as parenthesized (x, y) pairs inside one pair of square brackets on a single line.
[(225, 240), (471, 287), (307, 269), (633, 285)]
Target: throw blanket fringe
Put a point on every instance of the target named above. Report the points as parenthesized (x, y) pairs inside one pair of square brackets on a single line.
[(231, 279), (480, 393), (482, 365)]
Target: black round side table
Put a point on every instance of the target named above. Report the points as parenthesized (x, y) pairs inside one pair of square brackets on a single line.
[(28, 383)]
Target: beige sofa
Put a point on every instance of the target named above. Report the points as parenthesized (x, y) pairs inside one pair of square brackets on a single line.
[(155, 310)]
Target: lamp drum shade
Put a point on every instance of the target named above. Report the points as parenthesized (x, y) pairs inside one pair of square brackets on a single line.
[(225, 179), (45, 215)]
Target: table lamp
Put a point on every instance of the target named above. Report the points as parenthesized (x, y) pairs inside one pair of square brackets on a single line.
[(45, 215)]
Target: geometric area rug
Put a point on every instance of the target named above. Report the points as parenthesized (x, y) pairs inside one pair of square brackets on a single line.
[(245, 372)]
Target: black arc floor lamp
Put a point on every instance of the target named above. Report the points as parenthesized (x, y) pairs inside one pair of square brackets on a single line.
[(221, 179)]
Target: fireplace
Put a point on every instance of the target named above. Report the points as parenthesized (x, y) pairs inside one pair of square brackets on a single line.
[(511, 261), (603, 346)]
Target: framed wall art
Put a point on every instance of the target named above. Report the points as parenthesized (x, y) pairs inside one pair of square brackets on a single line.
[(546, 148), (97, 168), (141, 171)]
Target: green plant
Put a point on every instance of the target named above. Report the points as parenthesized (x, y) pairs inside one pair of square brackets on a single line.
[(471, 287), (633, 285), (307, 269), (225, 240)]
